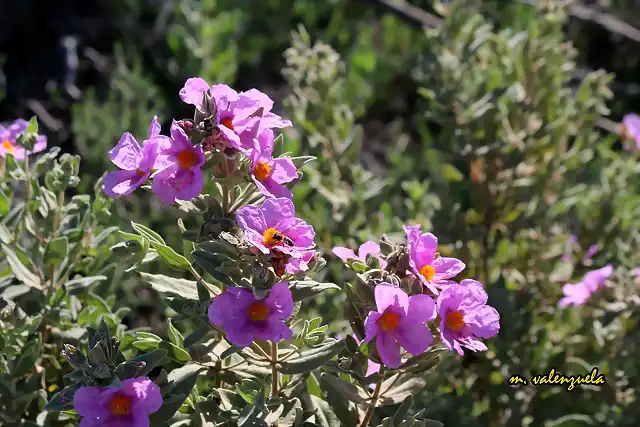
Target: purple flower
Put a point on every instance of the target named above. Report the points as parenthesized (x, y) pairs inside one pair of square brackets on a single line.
[(9, 140), (127, 406), (433, 272), (296, 265), (245, 318), (631, 124), (268, 173), (367, 248), (236, 112), (579, 293), (136, 163), (399, 321), (593, 249), (465, 316), (274, 226), (180, 176)]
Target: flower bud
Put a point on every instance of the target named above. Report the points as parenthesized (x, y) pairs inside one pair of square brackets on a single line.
[(74, 356), (386, 245)]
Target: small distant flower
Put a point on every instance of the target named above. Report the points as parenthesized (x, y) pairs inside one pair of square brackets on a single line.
[(236, 112), (179, 162), (466, 317), (593, 249), (136, 163), (127, 406), (245, 318), (631, 129), (270, 174), (367, 248), (372, 367), (579, 293), (9, 140), (433, 272), (399, 321), (273, 226)]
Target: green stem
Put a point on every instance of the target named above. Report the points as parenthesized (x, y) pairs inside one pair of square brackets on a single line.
[(274, 369), (200, 280), (374, 400)]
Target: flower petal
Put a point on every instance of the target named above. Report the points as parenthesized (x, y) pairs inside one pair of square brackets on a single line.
[(388, 295), (371, 328), (84, 402), (367, 248), (263, 100), (596, 279), (280, 301), (251, 218), (123, 182), (193, 91), (230, 307), (413, 337), (278, 213), (146, 394), (421, 309), (265, 143), (126, 154), (388, 350), (283, 170), (484, 322), (302, 234), (446, 268), (180, 140), (345, 254), (154, 127)]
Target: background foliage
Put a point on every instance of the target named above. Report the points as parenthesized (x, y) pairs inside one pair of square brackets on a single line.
[(488, 127)]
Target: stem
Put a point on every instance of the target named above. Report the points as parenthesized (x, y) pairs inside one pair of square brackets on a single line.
[(274, 369), (225, 199), (200, 280), (374, 399)]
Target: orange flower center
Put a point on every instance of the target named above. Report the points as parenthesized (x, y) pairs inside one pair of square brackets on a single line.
[(389, 321), (187, 159), (455, 320), (7, 145), (139, 172), (272, 237), (258, 311), (228, 123), (120, 405), (262, 171), (428, 272)]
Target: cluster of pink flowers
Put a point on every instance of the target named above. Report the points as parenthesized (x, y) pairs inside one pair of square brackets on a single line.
[(400, 320), (9, 140), (243, 121)]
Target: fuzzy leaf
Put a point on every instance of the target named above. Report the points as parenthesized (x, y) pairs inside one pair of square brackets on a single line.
[(331, 383), (399, 387), (171, 257), (312, 358), (20, 270), (303, 289), (165, 284)]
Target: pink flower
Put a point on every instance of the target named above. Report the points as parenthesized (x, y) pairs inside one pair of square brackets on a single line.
[(465, 316), (434, 273), (273, 226), (180, 176), (579, 293), (136, 163), (399, 321), (236, 112), (270, 174), (245, 318), (127, 406), (632, 127), (367, 248), (9, 140)]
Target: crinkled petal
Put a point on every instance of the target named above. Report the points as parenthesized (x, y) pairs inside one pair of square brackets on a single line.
[(446, 268), (596, 279), (175, 183), (230, 307), (180, 140), (251, 218), (126, 154), (279, 213), (371, 328), (149, 155), (283, 170), (448, 338), (345, 254), (388, 295), (265, 143), (91, 422), (165, 158), (139, 420), (123, 182), (223, 94), (193, 91), (368, 248), (272, 189), (263, 100), (483, 322), (413, 337), (388, 350), (421, 309), (146, 394), (271, 121), (302, 234), (280, 301), (154, 127), (84, 402), (40, 145)]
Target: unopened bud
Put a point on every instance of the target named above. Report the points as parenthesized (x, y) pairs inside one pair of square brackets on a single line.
[(186, 124), (74, 356), (386, 245)]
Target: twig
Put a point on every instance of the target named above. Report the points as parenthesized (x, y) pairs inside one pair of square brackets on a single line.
[(374, 400), (274, 369)]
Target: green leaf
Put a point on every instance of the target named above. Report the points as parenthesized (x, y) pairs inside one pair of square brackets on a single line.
[(5, 203), (174, 335), (331, 383), (165, 284), (175, 352), (323, 413), (76, 285), (312, 358), (451, 174), (302, 160), (28, 357), (19, 270), (196, 336), (403, 411), (56, 251), (171, 257), (32, 125), (151, 360), (210, 263), (182, 381), (399, 387), (148, 233), (303, 289)]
